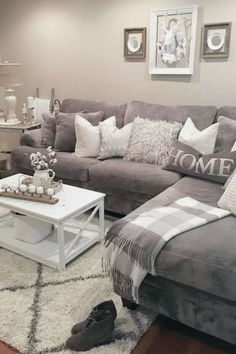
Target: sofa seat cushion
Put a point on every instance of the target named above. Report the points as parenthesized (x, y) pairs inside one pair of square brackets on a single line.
[(68, 165), (203, 258), (118, 174)]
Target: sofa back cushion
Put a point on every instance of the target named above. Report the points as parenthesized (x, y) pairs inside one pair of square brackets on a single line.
[(227, 111), (110, 109), (202, 116)]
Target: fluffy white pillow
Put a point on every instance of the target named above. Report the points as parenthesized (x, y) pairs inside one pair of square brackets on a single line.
[(88, 136), (201, 140), (114, 141)]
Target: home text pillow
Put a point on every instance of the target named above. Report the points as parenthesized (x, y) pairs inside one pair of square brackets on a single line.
[(216, 167), (114, 141), (226, 136), (48, 130), (88, 136), (201, 140), (151, 140), (65, 128)]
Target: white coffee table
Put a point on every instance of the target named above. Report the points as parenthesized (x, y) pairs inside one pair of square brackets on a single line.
[(66, 242)]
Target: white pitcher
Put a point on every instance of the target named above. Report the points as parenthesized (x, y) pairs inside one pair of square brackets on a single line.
[(43, 178)]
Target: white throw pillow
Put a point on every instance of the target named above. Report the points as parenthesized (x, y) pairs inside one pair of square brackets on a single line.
[(228, 198), (201, 140), (88, 136), (234, 146), (114, 141)]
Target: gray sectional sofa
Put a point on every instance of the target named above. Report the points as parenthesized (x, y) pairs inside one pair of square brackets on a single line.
[(196, 282)]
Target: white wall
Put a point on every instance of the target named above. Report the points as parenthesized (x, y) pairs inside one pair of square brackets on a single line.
[(76, 46)]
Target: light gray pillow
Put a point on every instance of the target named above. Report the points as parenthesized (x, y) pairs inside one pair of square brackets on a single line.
[(65, 139), (226, 134), (114, 141), (151, 140), (48, 130)]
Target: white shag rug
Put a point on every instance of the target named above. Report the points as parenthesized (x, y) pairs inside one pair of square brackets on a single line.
[(39, 305)]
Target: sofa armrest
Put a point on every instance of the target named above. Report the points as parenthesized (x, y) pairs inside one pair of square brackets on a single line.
[(32, 138)]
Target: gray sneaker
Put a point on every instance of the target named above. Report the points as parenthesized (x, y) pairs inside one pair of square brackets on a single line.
[(97, 331), (103, 306)]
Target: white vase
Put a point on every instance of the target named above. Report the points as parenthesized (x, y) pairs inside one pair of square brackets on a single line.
[(43, 178)]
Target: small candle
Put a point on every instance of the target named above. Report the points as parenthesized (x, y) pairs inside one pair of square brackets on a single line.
[(14, 188), (30, 102), (5, 186), (32, 188), (50, 192), (23, 188), (39, 190)]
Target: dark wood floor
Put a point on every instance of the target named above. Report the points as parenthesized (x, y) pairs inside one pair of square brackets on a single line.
[(169, 337)]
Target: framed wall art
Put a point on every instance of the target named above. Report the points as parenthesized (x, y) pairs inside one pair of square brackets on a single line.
[(135, 43), (172, 41), (216, 40)]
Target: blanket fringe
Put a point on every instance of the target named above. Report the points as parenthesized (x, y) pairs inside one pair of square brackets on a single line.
[(135, 252)]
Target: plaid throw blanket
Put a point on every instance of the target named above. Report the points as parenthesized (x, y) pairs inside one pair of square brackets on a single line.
[(133, 243)]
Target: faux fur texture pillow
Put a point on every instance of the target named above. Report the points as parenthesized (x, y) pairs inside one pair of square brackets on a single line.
[(151, 140)]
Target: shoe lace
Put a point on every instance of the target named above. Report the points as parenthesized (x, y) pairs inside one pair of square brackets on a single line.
[(87, 323)]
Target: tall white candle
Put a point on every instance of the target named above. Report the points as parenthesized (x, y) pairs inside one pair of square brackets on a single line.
[(30, 102)]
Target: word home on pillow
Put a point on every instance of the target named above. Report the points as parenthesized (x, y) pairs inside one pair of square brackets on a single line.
[(216, 167)]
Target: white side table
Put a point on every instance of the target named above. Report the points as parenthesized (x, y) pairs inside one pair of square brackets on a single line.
[(10, 129)]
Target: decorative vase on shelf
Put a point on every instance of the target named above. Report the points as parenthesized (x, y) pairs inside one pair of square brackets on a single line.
[(43, 178)]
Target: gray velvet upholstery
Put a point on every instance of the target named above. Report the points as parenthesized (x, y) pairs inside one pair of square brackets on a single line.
[(32, 138), (78, 167), (196, 282), (207, 313), (202, 116), (118, 174), (227, 111), (109, 109)]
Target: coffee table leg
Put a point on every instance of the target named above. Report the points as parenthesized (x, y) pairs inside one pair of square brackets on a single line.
[(101, 221), (61, 246)]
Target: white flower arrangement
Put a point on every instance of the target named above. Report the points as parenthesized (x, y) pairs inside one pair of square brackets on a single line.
[(42, 162)]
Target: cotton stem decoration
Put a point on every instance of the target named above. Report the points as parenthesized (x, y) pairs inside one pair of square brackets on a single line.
[(40, 161)]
